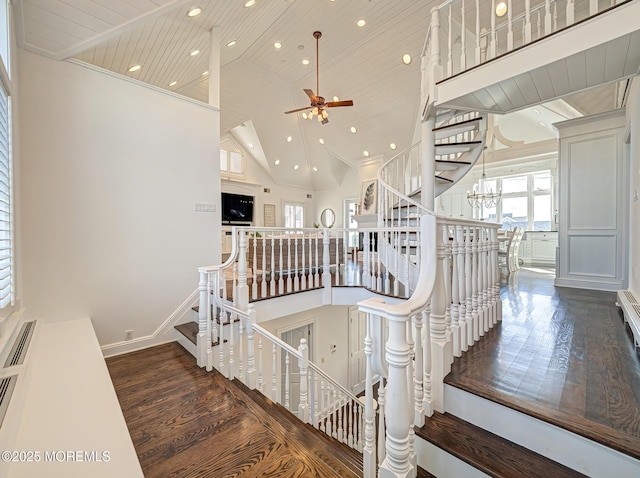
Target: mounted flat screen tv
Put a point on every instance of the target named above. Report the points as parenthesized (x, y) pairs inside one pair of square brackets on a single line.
[(237, 209)]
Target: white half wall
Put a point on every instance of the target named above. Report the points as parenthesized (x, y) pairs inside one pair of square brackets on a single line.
[(110, 171)]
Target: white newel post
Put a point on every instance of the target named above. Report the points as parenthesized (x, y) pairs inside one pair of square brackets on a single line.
[(251, 364), (455, 295), (436, 66), (496, 279), (441, 347), (369, 451), (366, 274), (427, 401), (202, 318), (397, 463), (326, 273), (242, 291), (303, 363), (418, 394), (462, 309)]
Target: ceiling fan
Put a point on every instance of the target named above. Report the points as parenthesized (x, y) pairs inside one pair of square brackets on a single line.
[(318, 104)]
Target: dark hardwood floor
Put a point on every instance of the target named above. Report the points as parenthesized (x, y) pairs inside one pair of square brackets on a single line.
[(562, 355), (185, 422)]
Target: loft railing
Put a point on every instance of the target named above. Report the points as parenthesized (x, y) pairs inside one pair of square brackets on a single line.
[(464, 34)]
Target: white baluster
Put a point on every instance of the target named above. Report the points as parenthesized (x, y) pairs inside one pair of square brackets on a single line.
[(450, 47), (274, 371), (455, 296), (203, 334), (337, 260), (468, 273), (509, 26), (397, 461), (478, 34), (463, 39), (289, 285), (326, 273), (242, 293), (317, 275), (251, 366), (240, 351), (296, 276), (281, 273), (462, 297), (474, 285), (527, 21), (555, 17), (493, 40), (303, 363), (287, 381), (263, 288), (427, 399), (231, 372), (369, 452), (547, 17), (593, 7), (260, 368), (303, 278), (365, 260), (272, 282), (254, 282), (382, 421)]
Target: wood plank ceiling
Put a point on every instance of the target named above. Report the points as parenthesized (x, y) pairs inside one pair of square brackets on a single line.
[(258, 82)]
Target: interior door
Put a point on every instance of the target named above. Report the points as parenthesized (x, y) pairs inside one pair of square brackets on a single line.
[(292, 337), (357, 334)]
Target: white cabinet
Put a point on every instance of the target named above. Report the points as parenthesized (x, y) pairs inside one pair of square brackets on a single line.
[(539, 247)]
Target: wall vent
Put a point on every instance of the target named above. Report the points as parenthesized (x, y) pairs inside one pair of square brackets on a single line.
[(21, 345), (309, 196), (630, 297), (7, 385), (267, 190)]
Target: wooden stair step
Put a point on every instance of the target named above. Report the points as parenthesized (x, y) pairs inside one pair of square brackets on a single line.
[(487, 452), (190, 331), (331, 451), (459, 123)]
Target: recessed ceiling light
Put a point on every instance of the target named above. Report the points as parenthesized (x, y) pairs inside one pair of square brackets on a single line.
[(335, 98), (277, 45), (205, 73), (393, 146), (289, 139), (296, 167), (315, 169), (231, 43), (535, 110), (361, 23), (501, 9), (134, 68), (277, 162), (321, 141), (305, 62), (250, 145), (366, 153), (173, 83), (406, 59), (194, 52), (194, 12), (354, 130), (542, 124), (249, 3)]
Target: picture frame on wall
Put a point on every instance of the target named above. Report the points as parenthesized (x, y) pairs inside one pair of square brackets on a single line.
[(369, 197)]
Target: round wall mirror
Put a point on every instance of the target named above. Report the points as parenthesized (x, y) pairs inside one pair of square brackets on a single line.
[(328, 217)]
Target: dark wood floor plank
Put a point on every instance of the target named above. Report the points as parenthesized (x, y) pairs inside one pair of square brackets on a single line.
[(185, 422), (489, 453), (562, 355)]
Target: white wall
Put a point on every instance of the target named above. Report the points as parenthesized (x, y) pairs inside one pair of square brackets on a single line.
[(633, 126), (331, 325), (110, 170)]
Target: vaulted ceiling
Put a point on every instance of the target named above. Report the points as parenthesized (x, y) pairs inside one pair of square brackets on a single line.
[(258, 81)]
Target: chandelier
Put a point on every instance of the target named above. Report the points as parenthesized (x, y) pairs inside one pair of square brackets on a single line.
[(482, 194), (320, 113)]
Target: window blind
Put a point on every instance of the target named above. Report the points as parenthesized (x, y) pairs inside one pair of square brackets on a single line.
[(6, 236)]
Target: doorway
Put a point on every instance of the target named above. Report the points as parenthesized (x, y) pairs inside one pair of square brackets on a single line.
[(292, 337)]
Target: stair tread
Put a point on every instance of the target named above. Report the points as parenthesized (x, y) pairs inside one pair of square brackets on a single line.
[(326, 448), (453, 125), (189, 330), (459, 143), (487, 452), (451, 162)]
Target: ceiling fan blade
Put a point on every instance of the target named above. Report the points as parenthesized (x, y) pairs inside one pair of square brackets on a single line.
[(296, 110), (331, 104), (310, 94)]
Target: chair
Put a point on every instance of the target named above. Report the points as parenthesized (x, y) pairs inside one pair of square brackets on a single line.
[(508, 257)]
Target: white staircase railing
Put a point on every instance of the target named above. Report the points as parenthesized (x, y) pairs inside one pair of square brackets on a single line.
[(464, 34), (239, 348)]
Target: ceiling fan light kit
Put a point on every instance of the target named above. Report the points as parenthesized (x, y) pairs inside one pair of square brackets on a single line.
[(318, 104)]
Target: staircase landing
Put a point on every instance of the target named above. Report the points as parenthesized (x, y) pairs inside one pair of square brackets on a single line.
[(563, 356)]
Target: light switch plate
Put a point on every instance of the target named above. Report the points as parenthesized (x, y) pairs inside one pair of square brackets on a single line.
[(204, 207)]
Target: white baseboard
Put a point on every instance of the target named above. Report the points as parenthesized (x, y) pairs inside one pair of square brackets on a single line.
[(163, 334), (587, 284), (440, 463)]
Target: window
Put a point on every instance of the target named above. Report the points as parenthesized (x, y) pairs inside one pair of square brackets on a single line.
[(230, 159), (526, 201), (350, 206), (293, 215)]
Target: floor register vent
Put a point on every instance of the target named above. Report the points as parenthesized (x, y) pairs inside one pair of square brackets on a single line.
[(631, 308), (7, 385), (19, 350)]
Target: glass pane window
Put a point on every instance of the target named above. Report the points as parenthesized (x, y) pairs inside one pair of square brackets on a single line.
[(224, 160), (542, 181), (294, 216), (516, 184), (542, 212), (514, 213), (235, 162)]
